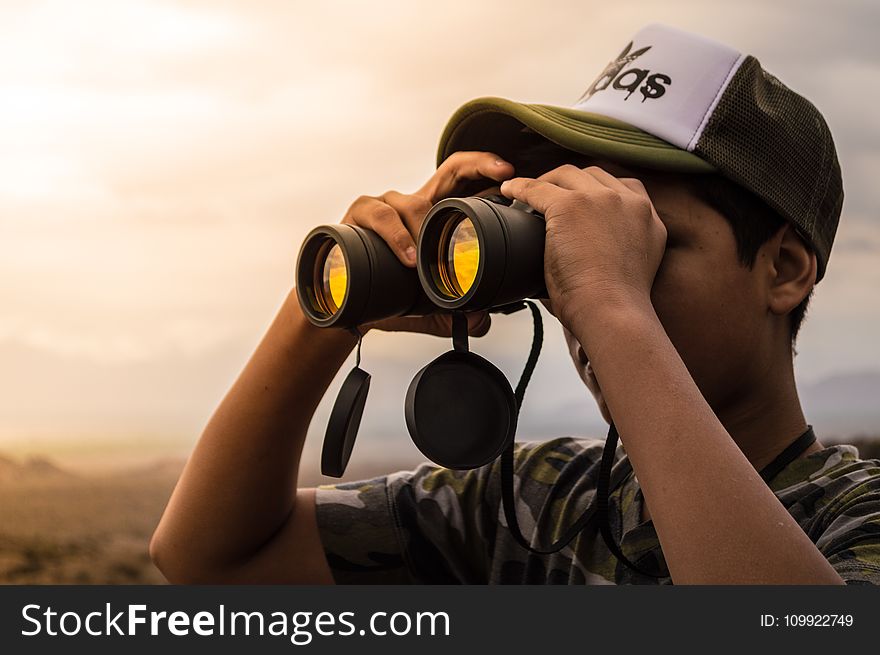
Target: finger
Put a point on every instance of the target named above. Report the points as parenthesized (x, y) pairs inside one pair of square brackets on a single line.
[(634, 184), (433, 324), (548, 306), (569, 176), (638, 187), (380, 217), (411, 208), (538, 194), (461, 167), (606, 178), (479, 323), (439, 325)]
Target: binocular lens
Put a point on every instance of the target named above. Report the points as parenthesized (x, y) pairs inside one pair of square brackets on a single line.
[(478, 253), (459, 255), (334, 278), (347, 276)]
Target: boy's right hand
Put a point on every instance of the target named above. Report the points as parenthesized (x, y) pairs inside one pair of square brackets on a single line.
[(397, 218)]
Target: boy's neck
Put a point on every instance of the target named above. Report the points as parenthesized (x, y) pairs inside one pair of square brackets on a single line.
[(766, 420)]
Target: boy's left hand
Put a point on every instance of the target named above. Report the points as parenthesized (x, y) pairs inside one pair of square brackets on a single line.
[(604, 240)]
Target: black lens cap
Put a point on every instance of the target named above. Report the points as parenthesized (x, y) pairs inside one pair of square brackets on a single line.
[(345, 419), (460, 410)]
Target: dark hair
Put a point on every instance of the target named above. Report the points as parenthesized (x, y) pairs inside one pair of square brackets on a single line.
[(753, 222)]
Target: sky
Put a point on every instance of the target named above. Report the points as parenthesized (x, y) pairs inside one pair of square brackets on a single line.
[(160, 163)]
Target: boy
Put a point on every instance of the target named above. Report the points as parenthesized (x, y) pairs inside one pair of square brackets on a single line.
[(681, 251)]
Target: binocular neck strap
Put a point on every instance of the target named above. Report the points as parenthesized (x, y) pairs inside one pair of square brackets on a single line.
[(602, 493), (607, 476), (507, 489), (611, 475)]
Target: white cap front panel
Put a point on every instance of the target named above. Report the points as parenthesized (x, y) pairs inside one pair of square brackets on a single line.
[(666, 82)]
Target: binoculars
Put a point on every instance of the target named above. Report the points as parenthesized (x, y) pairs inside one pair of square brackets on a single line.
[(474, 253)]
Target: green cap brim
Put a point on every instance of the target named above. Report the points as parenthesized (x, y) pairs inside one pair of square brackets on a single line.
[(496, 125)]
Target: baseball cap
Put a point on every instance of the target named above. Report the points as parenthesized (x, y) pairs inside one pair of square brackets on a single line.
[(677, 101)]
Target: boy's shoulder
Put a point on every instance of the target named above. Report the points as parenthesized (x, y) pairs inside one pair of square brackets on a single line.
[(817, 478), (835, 497)]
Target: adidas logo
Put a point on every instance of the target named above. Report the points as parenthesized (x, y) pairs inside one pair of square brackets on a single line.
[(630, 80)]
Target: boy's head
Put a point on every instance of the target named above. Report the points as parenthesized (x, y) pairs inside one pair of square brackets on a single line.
[(742, 171), (733, 284)]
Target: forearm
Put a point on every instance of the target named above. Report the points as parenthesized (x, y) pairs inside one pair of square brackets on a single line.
[(716, 519), (239, 484)]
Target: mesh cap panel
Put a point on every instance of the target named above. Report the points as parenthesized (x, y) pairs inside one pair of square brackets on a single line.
[(774, 142)]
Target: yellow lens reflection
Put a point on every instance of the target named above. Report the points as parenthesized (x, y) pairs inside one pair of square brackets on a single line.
[(334, 279), (463, 256)]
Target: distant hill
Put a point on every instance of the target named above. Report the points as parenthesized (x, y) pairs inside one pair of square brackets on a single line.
[(868, 447), (844, 405), (31, 469), (840, 407), (60, 528)]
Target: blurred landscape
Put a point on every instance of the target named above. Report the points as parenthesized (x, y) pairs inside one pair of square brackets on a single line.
[(61, 527), (58, 526)]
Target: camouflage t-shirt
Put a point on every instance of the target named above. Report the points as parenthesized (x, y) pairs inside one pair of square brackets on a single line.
[(436, 525)]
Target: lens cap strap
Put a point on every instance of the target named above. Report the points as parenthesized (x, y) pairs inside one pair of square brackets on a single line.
[(459, 332), (360, 339), (345, 417)]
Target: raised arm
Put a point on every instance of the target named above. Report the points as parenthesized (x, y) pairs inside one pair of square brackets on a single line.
[(238, 492), (236, 514)]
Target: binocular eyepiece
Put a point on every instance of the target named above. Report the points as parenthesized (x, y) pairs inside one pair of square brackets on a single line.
[(473, 254)]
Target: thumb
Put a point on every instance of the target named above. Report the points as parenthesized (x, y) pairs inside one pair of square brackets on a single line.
[(479, 323)]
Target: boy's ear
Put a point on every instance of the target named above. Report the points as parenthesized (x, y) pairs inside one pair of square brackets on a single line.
[(791, 270)]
